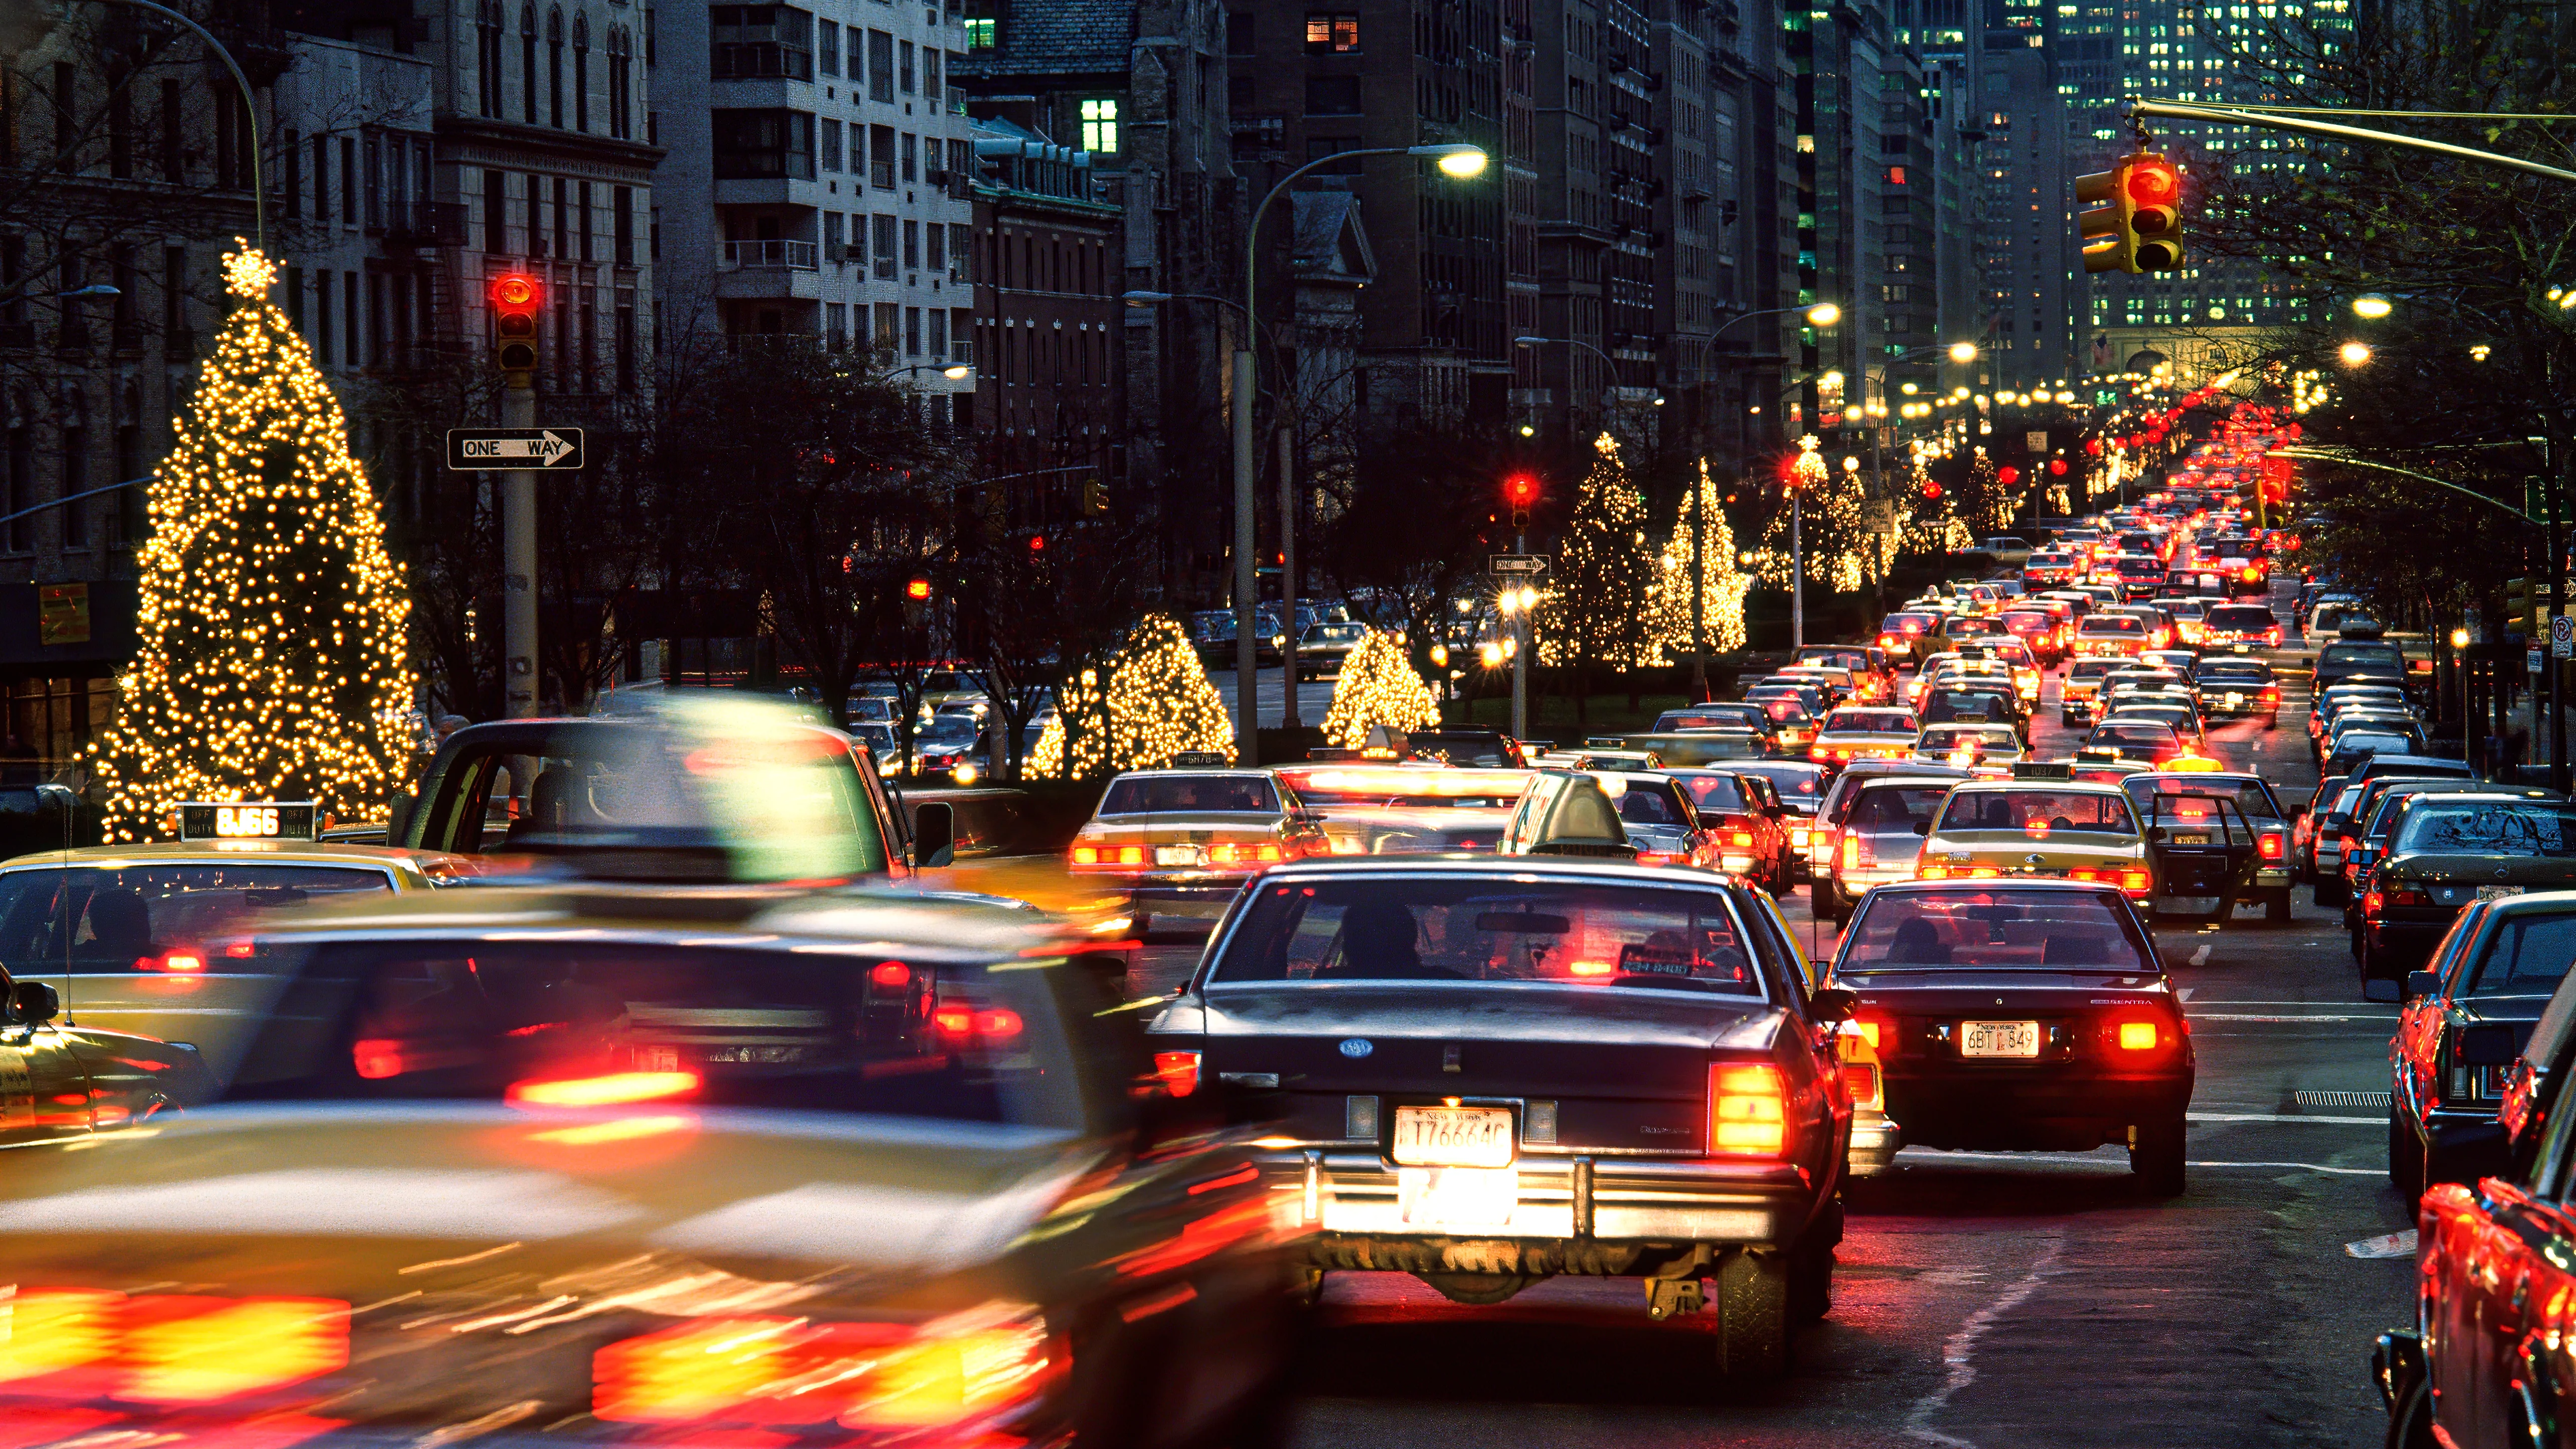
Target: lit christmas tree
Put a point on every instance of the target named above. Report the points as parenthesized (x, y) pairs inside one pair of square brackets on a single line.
[(1157, 703), (1592, 614), (271, 663), (1722, 586), (1987, 500), (1831, 528), (1378, 687)]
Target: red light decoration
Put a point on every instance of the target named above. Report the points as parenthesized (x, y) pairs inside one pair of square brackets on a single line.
[(2093, 447), (2008, 475), (917, 589), (1037, 543), (2057, 466)]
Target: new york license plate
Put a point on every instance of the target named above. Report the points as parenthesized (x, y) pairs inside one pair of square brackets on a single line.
[(1452, 1137), (2195, 838), (1176, 855), (1999, 1039), (2497, 893)]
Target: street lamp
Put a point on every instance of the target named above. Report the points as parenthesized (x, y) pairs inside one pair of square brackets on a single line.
[(2371, 306), (2354, 354), (1963, 353), (1454, 158)]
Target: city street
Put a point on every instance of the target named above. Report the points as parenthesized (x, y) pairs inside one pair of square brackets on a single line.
[(1993, 1299)]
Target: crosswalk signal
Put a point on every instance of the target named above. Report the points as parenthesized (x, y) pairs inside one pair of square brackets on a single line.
[(2134, 218), (515, 299)]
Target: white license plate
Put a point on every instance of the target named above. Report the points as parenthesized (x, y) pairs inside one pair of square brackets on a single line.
[(2192, 839), (1457, 1199), (1176, 855), (2497, 893), (1453, 1136), (1999, 1038), (657, 1059)]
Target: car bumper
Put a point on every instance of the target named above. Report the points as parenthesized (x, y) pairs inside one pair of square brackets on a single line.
[(2037, 1108), (1875, 1136), (1572, 1214)]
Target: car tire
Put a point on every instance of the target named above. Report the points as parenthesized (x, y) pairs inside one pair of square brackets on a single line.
[(2156, 1157), (2405, 1158), (2276, 906), (1752, 1302), (2410, 1422), (1811, 1282)]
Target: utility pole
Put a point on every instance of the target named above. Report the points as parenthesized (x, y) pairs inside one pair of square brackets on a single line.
[(1699, 589), (1797, 575), (1288, 572), (519, 559), (1247, 583)]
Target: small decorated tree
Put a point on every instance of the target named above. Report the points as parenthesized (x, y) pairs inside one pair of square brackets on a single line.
[(1722, 585), (1156, 704), (1378, 687), (272, 660), (1829, 529), (1590, 614)]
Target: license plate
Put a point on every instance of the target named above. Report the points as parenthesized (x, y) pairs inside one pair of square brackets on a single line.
[(1453, 1136), (1999, 1039), (2193, 839), (1457, 1199), (2234, 700), (657, 1059), (1176, 855), (2497, 893)]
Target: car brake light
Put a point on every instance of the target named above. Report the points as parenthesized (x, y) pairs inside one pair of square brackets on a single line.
[(960, 1372), (961, 1020), (1856, 852), (2347, 843), (1086, 855), (2370, 903), (2137, 1036), (892, 975), (1222, 854), (2402, 896), (1739, 837), (1131, 855), (1265, 853), (1860, 1079), (1653, 857), (1748, 1110), (2268, 846), (1179, 1072), (183, 960), (168, 1348), (607, 1090)]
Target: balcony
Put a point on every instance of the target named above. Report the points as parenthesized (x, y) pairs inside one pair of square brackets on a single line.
[(762, 60), (768, 270), (426, 224), (775, 253)]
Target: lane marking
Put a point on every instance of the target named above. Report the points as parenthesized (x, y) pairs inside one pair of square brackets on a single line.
[(2117, 1163), (2249, 1016), (2391, 1245), (1957, 1352), (2187, 991), (2201, 956), (2284, 1117)]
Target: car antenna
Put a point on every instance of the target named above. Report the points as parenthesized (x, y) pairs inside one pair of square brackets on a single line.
[(70, 803)]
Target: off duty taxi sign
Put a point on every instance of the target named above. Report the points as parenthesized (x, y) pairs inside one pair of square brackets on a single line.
[(247, 820), (556, 450)]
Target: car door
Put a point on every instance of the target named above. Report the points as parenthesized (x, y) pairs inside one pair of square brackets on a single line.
[(44, 1093)]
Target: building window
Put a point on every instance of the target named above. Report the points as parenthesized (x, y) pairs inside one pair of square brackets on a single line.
[(554, 68), (1327, 33), (827, 47), (22, 489), (75, 480), (909, 151), (881, 157), (911, 245), (982, 32), (903, 65), (581, 73), (621, 84), (937, 259), (1333, 95), (884, 228), (1240, 28), (881, 66), (1100, 125), (487, 59), (125, 506), (528, 63), (888, 317), (625, 224), (763, 144), (829, 136), (496, 214), (911, 330), (349, 175), (761, 42)]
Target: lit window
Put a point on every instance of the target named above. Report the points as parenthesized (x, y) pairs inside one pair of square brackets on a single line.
[(980, 32), (1099, 125), (1332, 32)]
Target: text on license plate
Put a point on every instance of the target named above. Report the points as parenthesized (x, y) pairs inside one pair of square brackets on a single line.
[(1453, 1136), (1176, 855), (2197, 838), (2497, 893), (1999, 1038)]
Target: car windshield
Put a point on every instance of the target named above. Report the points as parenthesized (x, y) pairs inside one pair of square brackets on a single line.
[(951, 729), (2238, 676), (1799, 785), (1336, 634), (2369, 742), (2040, 812), (2527, 956), (742, 1026), (1951, 737), (1905, 624), (1177, 794), (2248, 796), (2056, 930), (2495, 828), (2347, 657), (2113, 624), (2241, 617), (1784, 707), (155, 917), (1719, 793), (1869, 721), (1489, 928), (874, 736), (1893, 808), (1648, 804)]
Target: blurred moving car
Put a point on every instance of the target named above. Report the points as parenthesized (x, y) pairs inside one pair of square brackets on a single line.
[(1748, 828), (1372, 809), (2238, 689), (1800, 788), (1854, 733), (2466, 1017), (1182, 842), (2019, 1017), (1498, 1072), (865, 1167)]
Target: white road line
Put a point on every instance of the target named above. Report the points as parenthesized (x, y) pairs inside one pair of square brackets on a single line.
[(2201, 956), (2247, 1016), (2187, 991), (1958, 1350), (2304, 1167), (2285, 1117)]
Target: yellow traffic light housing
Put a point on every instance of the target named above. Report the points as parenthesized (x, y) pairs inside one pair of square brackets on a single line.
[(516, 297), (2105, 227), (2134, 218)]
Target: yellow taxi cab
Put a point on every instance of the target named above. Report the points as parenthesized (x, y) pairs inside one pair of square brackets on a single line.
[(1967, 745), (1182, 841), (138, 934), (2042, 822), (1399, 809), (2015, 655), (1864, 734)]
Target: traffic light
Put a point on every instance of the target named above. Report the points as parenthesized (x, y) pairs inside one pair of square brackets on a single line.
[(1520, 490), (917, 589), (1095, 497), (2522, 608), (515, 299), (2134, 223)]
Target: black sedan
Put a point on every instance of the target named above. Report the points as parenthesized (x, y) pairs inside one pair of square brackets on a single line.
[(2469, 1017), (2445, 851), (2033, 1017), (1495, 1073)]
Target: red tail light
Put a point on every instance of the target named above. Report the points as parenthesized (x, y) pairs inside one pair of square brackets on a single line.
[(179, 959), (1860, 1079), (1857, 852), (2370, 903), (1653, 857), (2268, 846), (1086, 855), (958, 1019), (2400, 896), (2137, 1036), (80, 1343), (1748, 1110), (892, 975), (1179, 1072), (2347, 843), (962, 1372), (612, 1089)]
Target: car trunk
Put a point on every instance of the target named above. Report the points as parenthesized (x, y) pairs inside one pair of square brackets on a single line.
[(1624, 1068)]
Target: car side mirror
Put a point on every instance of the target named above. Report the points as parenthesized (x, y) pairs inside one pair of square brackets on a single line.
[(934, 834), (1923, 827), (2485, 1044), (2422, 983), (1834, 1004), (33, 1003)]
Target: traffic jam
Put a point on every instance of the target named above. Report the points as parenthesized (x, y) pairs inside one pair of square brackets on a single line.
[(674, 1078)]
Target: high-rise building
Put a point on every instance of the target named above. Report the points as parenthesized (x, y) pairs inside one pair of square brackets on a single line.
[(817, 183), (2026, 243)]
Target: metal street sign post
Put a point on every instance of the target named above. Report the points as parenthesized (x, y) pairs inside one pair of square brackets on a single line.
[(553, 450)]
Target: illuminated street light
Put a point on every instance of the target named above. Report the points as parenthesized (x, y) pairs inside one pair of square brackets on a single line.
[(1824, 314), (2354, 354), (1456, 158), (2371, 306)]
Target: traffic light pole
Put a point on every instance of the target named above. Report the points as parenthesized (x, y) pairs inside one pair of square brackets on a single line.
[(1247, 582), (519, 563), (1288, 718)]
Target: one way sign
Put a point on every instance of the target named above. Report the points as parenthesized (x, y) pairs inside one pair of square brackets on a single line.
[(475, 449)]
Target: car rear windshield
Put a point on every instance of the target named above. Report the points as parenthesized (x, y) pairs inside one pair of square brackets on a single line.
[(1905, 623), (2230, 675), (2056, 930), (2241, 617), (1895, 807), (2527, 956), (1643, 804), (539, 1023), (2039, 813), (2112, 624), (1799, 785), (2342, 656), (2488, 829), (1174, 794), (2248, 796), (1870, 721), (1490, 928), (156, 917), (1718, 793)]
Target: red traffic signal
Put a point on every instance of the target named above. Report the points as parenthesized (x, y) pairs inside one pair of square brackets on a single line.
[(1931, 490), (1520, 490), (1037, 543), (2154, 183), (515, 299), (917, 589), (2008, 475)]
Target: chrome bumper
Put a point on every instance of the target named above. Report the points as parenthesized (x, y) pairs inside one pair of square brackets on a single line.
[(1575, 1197), (1874, 1140)]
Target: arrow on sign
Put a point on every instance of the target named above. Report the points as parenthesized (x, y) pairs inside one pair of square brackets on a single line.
[(540, 450)]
